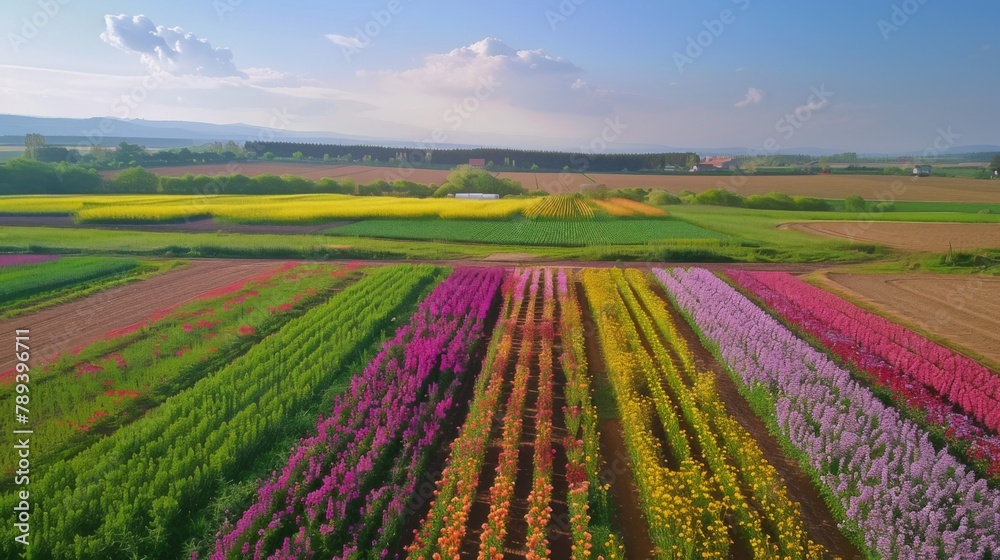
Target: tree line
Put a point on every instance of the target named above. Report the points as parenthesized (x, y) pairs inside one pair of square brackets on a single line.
[(500, 158)]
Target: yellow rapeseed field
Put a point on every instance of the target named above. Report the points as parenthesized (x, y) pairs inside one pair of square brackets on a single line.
[(259, 208)]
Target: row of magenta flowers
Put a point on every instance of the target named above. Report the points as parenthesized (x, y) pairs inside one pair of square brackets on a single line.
[(348, 487)]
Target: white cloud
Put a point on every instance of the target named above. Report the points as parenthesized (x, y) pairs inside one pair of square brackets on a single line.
[(347, 42), (168, 49), (529, 79), (754, 97)]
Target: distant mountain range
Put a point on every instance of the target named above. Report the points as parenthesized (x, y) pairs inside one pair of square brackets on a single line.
[(173, 134)]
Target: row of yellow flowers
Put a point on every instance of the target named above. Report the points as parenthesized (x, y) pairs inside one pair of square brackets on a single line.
[(712, 473), (684, 520), (583, 454), (769, 521)]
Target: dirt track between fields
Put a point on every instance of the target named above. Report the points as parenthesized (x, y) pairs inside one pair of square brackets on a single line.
[(909, 236), (65, 327), (963, 310)]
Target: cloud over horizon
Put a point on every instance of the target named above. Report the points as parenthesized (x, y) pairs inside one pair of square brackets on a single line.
[(168, 49), (529, 79)]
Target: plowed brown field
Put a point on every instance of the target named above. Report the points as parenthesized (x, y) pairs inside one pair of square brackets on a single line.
[(939, 189), (964, 310), (869, 187), (932, 237), (65, 327)]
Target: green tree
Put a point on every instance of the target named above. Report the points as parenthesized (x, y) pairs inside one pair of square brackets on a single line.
[(996, 163), (135, 180), (855, 203), (469, 180), (298, 156), (662, 198), (534, 167), (128, 153), (32, 143)]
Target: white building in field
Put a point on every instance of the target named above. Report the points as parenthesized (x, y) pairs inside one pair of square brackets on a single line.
[(477, 196)]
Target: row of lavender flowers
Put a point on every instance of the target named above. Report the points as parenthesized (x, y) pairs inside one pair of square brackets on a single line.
[(345, 490), (904, 498), (951, 390)]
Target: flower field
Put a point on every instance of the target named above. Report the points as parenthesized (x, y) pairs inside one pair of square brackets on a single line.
[(419, 412), (344, 491), (701, 476), (500, 488)]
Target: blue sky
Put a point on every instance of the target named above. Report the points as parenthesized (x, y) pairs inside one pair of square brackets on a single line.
[(890, 74)]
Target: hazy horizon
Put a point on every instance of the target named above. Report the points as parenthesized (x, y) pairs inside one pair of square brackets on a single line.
[(866, 77)]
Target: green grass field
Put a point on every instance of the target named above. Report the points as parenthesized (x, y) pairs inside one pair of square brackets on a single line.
[(30, 288), (762, 225), (324, 247), (562, 233)]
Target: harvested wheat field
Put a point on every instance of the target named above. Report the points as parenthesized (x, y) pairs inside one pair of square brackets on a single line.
[(963, 310), (909, 236)]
